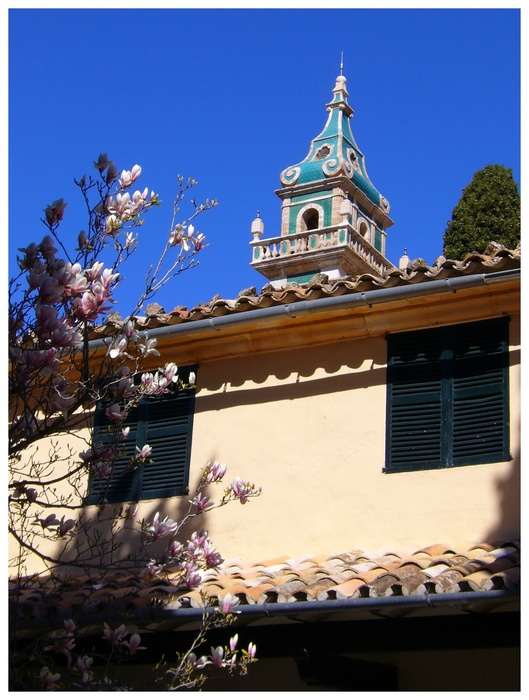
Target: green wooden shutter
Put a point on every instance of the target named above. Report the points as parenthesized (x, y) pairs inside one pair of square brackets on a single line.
[(164, 423), (480, 393), (414, 421), (119, 487), (447, 395), (168, 432)]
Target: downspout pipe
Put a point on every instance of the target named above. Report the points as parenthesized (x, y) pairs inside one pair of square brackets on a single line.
[(345, 301)]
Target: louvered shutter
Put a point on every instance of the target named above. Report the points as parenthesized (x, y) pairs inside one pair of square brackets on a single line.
[(480, 393), (414, 424), (164, 423), (448, 396), (120, 486), (168, 432)]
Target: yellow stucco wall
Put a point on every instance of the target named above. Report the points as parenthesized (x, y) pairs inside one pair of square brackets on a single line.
[(308, 425), (310, 429)]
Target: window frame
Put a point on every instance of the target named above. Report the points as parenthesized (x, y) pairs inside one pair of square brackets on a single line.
[(448, 404)]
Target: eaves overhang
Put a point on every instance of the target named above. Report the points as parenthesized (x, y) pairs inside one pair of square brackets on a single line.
[(325, 310)]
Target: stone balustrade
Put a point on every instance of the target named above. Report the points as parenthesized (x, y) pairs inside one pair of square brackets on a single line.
[(315, 240)]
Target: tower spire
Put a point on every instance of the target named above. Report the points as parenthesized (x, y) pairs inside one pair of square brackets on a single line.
[(333, 218)]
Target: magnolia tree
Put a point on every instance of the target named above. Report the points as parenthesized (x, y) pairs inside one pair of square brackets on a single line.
[(57, 376)]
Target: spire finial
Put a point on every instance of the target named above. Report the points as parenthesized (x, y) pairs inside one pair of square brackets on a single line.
[(341, 64)]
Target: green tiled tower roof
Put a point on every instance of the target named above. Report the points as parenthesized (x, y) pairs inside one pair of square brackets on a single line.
[(335, 152)]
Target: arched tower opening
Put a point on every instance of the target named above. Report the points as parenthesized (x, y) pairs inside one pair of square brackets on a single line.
[(310, 220)]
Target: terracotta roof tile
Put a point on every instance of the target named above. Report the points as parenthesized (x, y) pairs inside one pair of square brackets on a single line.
[(495, 259), (433, 570), (347, 589)]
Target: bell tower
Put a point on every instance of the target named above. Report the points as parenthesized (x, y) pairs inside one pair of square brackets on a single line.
[(333, 219)]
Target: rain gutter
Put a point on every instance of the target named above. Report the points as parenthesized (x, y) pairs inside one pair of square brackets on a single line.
[(345, 301), (181, 616)]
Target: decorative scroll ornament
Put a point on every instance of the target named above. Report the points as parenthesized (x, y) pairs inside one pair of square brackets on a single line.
[(353, 159), (331, 166), (290, 176), (384, 204)]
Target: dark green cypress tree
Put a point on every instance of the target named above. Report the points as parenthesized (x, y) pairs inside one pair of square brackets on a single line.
[(489, 210)]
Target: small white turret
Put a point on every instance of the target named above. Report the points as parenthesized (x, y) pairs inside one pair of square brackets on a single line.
[(257, 227), (404, 261)]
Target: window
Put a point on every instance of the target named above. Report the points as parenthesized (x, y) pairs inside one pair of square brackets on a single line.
[(448, 402), (165, 423)]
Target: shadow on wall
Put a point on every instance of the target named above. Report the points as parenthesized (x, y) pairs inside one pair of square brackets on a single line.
[(293, 375), (116, 541), (508, 524)]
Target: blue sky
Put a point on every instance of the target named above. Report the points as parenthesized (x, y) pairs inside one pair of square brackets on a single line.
[(232, 97)]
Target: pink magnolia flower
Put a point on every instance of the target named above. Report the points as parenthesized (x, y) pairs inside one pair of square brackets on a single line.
[(61, 401), (152, 570), (47, 245), (214, 472), (133, 645), (76, 284), (82, 240), (69, 626), (83, 664), (228, 603), (114, 637), (102, 162), (147, 380), (117, 349), (87, 307), (175, 237), (44, 360), (93, 272), (240, 489), (144, 198), (55, 212), (149, 348), (144, 453), (199, 241), (49, 679), (132, 510), (233, 642), (30, 256), (171, 372), (201, 502), (175, 549), (217, 654), (192, 580), (129, 176), (130, 240), (108, 277), (129, 330), (198, 663), (213, 558), (124, 388), (115, 414), (125, 431), (161, 528), (252, 650), (50, 291)]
